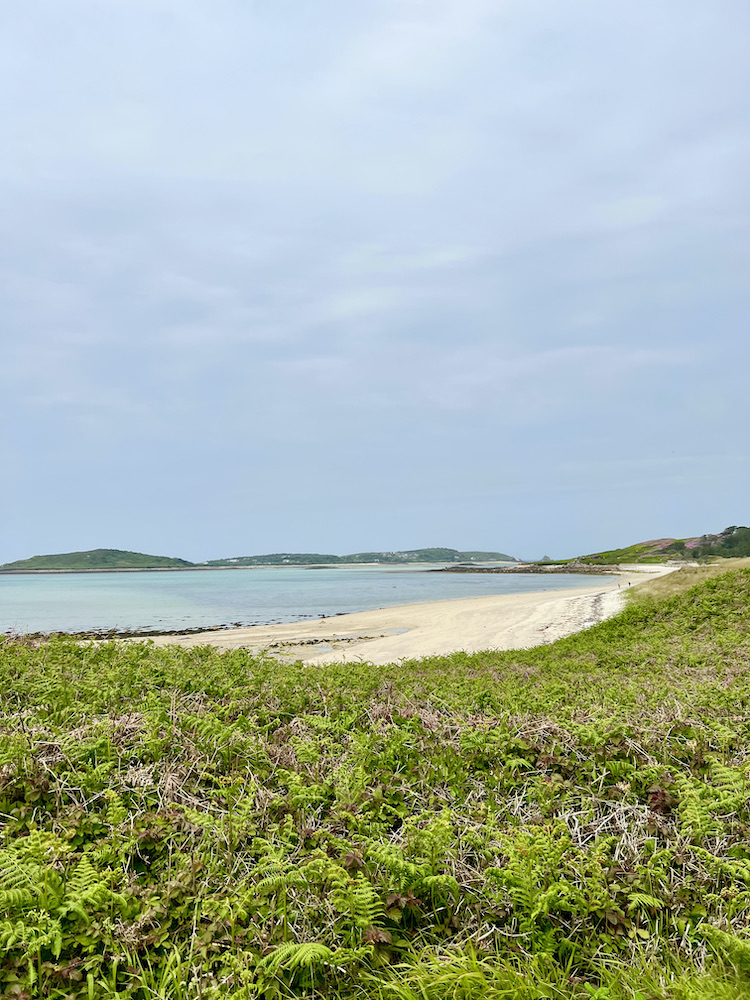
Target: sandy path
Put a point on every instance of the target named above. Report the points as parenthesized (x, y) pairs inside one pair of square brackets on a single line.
[(508, 621)]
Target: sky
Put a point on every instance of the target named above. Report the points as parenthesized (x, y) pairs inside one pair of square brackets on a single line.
[(284, 275)]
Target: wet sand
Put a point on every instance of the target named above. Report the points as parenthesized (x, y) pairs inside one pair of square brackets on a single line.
[(386, 635)]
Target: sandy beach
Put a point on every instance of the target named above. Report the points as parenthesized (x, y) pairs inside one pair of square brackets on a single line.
[(386, 635)]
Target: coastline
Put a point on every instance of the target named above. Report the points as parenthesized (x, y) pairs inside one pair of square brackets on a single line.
[(434, 628)]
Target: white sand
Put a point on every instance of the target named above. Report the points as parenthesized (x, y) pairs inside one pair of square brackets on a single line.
[(386, 635)]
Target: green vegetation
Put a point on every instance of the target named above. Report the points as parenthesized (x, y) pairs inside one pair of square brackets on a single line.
[(407, 556), (566, 822), (682, 579), (95, 559), (731, 543)]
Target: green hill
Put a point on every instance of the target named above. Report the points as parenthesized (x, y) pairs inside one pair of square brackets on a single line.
[(732, 542), (95, 559), (406, 556)]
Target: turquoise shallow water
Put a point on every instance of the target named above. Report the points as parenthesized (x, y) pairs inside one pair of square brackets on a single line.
[(170, 601)]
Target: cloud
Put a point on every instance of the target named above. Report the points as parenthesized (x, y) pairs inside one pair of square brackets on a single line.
[(414, 46), (461, 239)]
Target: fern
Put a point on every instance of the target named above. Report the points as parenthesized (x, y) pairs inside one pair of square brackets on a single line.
[(442, 884), (405, 874), (19, 883), (737, 869), (560, 896), (430, 836), (695, 813), (736, 948), (544, 874), (644, 901), (358, 899), (731, 787), (29, 935), (116, 813), (276, 876), (24, 882), (29, 889), (88, 890), (292, 956), (42, 846)]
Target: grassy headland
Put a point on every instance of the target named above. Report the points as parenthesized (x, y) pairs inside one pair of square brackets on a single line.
[(570, 821), (732, 543)]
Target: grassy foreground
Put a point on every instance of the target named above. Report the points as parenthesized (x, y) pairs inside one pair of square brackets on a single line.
[(569, 821)]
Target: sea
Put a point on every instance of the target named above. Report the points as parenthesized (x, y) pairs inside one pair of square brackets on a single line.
[(168, 601)]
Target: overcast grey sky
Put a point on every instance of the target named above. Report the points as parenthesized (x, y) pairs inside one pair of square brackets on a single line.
[(333, 276)]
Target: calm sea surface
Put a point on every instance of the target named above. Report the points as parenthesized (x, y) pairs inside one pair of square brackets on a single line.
[(167, 601)]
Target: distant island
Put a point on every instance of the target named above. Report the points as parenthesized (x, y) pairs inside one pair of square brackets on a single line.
[(94, 560), (386, 558), (103, 560)]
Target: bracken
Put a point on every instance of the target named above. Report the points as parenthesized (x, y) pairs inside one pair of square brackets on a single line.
[(567, 821)]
